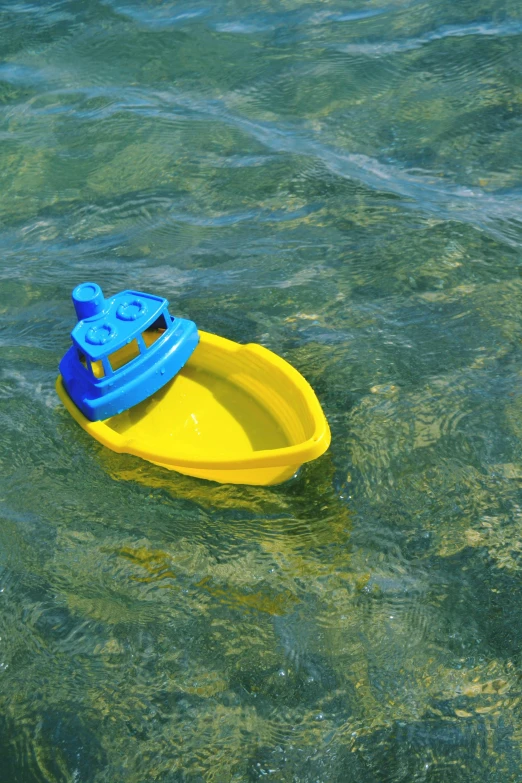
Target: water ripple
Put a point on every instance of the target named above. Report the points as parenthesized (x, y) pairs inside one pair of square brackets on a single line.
[(511, 27), (499, 214)]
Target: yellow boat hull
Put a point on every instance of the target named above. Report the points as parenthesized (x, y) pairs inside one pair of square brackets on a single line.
[(235, 414)]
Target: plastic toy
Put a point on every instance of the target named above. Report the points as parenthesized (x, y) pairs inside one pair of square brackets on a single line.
[(232, 413)]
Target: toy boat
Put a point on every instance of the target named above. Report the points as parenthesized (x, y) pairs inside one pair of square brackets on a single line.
[(232, 413)]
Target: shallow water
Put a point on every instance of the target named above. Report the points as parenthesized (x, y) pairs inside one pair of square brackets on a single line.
[(341, 182)]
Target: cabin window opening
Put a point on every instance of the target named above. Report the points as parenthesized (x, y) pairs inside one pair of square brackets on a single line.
[(97, 369), (155, 330), (82, 358), (124, 355)]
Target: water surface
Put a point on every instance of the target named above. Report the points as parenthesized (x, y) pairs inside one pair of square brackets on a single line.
[(341, 182)]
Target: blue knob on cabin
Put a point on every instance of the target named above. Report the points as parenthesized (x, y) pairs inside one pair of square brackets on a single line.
[(88, 300)]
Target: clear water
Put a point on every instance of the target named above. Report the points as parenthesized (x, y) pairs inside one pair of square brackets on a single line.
[(340, 181)]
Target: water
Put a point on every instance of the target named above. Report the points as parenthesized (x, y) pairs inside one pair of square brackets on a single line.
[(341, 182)]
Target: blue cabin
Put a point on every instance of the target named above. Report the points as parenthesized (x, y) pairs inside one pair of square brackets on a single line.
[(124, 349)]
